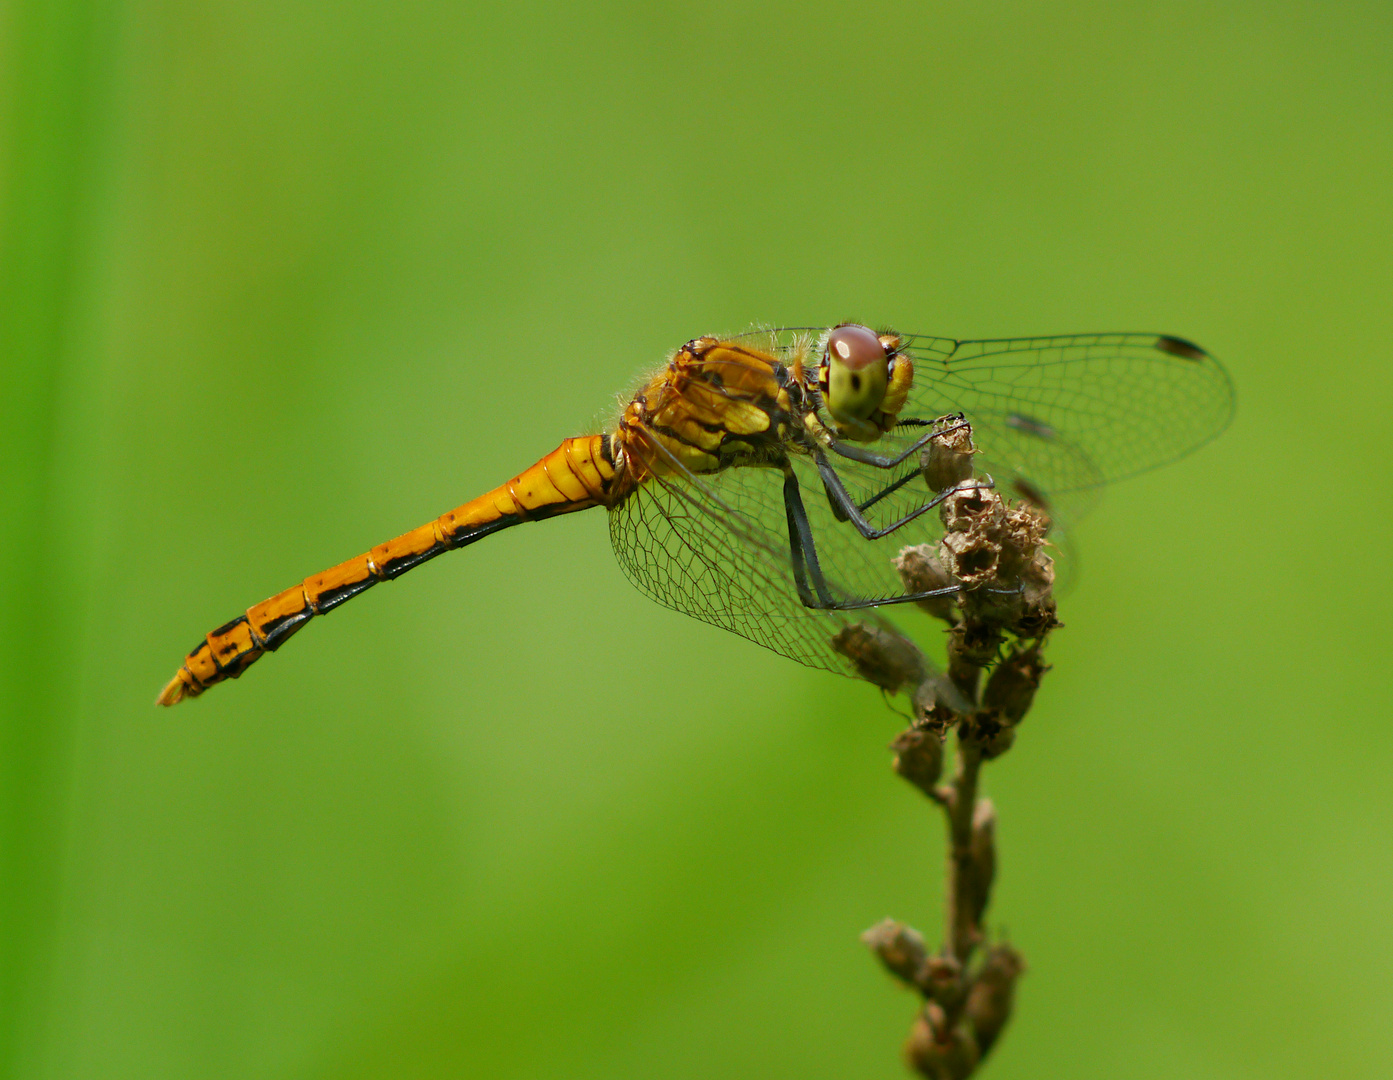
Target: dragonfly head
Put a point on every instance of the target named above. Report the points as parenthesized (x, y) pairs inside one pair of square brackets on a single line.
[(854, 373)]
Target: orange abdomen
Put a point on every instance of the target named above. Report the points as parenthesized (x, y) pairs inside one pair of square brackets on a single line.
[(576, 475)]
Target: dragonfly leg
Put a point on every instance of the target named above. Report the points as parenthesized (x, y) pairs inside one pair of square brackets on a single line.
[(805, 564), (907, 598), (889, 489), (844, 504), (802, 551), (886, 461)]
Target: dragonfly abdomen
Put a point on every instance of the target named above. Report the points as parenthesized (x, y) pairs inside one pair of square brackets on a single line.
[(577, 475)]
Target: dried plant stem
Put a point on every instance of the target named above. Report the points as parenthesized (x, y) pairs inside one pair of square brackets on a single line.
[(960, 927), (999, 621)]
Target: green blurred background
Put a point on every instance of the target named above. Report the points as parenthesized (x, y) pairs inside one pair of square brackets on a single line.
[(280, 281)]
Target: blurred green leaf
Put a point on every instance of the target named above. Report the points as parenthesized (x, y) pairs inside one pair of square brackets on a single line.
[(280, 281), (53, 54)]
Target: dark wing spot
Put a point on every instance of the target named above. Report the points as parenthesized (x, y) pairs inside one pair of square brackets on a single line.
[(1030, 493), (1030, 426), (1186, 350)]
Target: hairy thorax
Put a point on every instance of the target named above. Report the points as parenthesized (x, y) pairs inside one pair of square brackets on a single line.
[(716, 404)]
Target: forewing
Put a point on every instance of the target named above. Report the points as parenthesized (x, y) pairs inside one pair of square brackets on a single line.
[(1055, 418), (1071, 413)]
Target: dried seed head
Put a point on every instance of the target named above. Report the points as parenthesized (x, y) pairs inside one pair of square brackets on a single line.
[(938, 703), (993, 737), (1023, 530), (982, 851), (947, 459), (1026, 610), (941, 980), (1012, 684), (921, 570), (937, 1050), (1037, 615), (987, 734), (880, 656), (1023, 558), (900, 948), (976, 643), (993, 993), (971, 509), (997, 553), (919, 757), (972, 556), (935, 717), (974, 522)]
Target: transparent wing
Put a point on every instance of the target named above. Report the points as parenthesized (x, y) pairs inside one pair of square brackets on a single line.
[(1054, 419), (717, 548), (1055, 476), (1077, 411), (1058, 417)]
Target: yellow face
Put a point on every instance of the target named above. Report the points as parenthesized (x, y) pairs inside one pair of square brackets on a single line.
[(855, 373)]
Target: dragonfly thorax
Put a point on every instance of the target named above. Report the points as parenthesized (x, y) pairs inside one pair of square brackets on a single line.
[(717, 403)]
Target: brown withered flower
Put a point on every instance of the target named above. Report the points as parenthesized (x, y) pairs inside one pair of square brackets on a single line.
[(940, 1048), (919, 757), (993, 994), (994, 552), (947, 460), (901, 948), (920, 571), (882, 657)]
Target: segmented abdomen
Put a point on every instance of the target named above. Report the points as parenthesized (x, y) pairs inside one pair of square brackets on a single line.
[(576, 475)]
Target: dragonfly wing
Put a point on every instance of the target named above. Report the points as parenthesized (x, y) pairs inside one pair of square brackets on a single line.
[(1059, 415), (1072, 413), (1053, 418), (717, 548), (1056, 418)]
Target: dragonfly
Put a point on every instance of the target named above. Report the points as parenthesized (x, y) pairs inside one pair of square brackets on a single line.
[(763, 482)]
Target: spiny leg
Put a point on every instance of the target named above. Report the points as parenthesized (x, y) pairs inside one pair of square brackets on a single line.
[(884, 461), (803, 552), (889, 489), (885, 492), (845, 506)]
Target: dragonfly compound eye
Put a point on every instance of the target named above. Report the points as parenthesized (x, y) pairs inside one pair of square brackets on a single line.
[(857, 372)]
